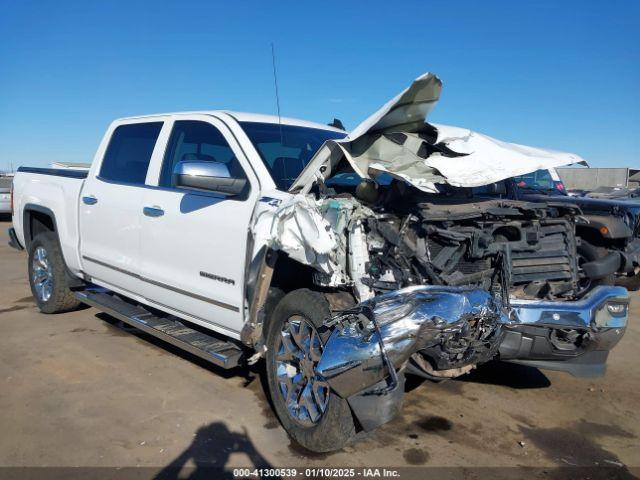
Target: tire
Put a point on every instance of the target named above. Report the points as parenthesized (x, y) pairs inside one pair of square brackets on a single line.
[(48, 275), (332, 429), (588, 253)]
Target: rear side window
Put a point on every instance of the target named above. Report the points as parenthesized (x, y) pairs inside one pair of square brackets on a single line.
[(129, 152)]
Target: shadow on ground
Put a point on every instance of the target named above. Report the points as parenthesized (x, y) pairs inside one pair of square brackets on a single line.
[(503, 374), (507, 374), (209, 453)]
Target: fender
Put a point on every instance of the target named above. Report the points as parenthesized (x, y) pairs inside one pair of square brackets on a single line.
[(26, 224), (74, 281), (609, 227)]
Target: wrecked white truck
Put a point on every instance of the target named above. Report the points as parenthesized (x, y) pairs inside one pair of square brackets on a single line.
[(345, 261)]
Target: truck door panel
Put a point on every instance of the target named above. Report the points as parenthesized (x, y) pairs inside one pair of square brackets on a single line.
[(193, 242), (111, 207)]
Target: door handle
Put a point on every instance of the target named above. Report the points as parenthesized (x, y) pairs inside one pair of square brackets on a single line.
[(89, 200), (153, 211)]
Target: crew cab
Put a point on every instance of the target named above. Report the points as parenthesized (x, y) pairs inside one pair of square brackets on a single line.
[(240, 236)]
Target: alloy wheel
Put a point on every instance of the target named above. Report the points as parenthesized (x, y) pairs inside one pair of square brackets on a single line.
[(42, 274), (298, 352)]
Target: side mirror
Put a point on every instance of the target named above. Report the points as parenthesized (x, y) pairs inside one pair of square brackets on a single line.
[(209, 176)]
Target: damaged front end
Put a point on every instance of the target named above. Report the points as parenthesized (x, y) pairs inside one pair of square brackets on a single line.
[(444, 332), (451, 329), (426, 277)]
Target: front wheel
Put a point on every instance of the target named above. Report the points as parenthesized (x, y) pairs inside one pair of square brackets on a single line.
[(48, 275), (310, 412)]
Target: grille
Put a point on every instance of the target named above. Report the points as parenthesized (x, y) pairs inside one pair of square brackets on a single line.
[(553, 261)]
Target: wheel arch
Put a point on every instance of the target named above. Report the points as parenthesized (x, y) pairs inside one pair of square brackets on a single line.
[(271, 276), (267, 281), (37, 219)]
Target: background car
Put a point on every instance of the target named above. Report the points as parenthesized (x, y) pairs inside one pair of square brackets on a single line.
[(5, 195)]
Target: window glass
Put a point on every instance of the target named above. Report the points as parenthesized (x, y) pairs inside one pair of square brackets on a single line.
[(286, 149), (197, 141), (537, 179), (129, 152)]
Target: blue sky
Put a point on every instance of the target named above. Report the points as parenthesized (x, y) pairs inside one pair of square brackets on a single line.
[(559, 74)]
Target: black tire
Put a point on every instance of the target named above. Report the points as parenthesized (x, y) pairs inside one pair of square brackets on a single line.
[(588, 253), (61, 298), (336, 426)]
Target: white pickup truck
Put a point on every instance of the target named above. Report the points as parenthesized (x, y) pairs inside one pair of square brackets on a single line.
[(345, 261)]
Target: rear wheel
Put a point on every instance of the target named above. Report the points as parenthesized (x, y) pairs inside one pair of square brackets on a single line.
[(48, 275), (310, 412)]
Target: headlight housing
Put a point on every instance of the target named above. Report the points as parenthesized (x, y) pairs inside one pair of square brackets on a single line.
[(617, 309)]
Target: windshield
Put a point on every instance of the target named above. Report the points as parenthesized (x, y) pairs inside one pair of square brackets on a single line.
[(540, 180), (286, 149)]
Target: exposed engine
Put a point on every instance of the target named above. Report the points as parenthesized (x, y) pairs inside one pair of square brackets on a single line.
[(405, 237), (396, 237)]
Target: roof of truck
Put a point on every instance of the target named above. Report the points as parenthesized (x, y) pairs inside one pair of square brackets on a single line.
[(245, 117)]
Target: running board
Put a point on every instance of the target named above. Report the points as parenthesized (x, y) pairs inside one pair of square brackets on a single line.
[(219, 352)]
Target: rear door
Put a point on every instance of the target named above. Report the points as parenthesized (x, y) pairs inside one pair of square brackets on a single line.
[(111, 207), (193, 242)]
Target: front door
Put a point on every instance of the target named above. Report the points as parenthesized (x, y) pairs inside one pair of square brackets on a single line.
[(193, 242)]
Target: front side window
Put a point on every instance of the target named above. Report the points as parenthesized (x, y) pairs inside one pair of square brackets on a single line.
[(193, 140), (286, 149), (540, 179), (129, 152)]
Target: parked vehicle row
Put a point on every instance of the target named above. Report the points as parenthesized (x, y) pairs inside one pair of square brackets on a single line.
[(344, 261), (5, 194)]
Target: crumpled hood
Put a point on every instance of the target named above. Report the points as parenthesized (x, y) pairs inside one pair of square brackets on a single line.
[(397, 140)]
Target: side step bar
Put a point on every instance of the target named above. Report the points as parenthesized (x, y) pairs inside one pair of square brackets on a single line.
[(219, 352)]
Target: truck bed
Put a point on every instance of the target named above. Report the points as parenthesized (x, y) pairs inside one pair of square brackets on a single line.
[(54, 191)]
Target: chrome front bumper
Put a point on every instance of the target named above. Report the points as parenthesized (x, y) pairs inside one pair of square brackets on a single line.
[(369, 345), (575, 337)]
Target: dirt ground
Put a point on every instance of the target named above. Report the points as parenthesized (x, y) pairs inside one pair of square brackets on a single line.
[(77, 389)]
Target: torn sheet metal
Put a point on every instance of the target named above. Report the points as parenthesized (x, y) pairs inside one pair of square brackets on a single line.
[(409, 320), (325, 234), (396, 140), (406, 112), (297, 228)]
